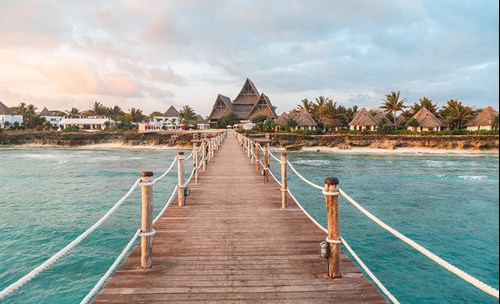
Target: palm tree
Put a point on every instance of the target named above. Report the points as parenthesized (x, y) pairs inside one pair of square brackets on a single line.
[(187, 115), (424, 102), (30, 116), (134, 115), (305, 104), (98, 109), (455, 113), (392, 104), (73, 112)]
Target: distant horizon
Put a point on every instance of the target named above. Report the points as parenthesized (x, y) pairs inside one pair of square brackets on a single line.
[(152, 55)]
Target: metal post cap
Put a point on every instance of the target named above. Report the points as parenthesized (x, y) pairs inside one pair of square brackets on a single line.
[(147, 173), (331, 181)]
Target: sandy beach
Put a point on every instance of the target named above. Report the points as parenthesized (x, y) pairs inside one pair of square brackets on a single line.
[(367, 150)]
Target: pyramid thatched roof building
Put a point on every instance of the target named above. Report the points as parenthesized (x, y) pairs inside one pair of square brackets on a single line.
[(363, 121), (5, 110), (484, 120), (378, 118), (45, 112), (171, 112), (248, 104), (426, 119)]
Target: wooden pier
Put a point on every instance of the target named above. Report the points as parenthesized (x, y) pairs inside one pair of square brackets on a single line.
[(234, 243)]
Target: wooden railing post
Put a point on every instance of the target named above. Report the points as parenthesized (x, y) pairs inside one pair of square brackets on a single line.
[(331, 197), (257, 165), (249, 149), (180, 179), (195, 162), (147, 231), (209, 142), (284, 186), (253, 145), (204, 155), (266, 163)]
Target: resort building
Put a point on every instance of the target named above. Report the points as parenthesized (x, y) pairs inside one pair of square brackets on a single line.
[(91, 123), (296, 120), (248, 104), (484, 121), (330, 124), (363, 121), (201, 123), (52, 119), (425, 121), (8, 117), (170, 120), (381, 120)]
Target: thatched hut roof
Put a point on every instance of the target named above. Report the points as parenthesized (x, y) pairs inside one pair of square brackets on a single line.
[(249, 95), (281, 120), (381, 116), (171, 112), (357, 118), (485, 118), (45, 112), (333, 122), (5, 110), (401, 120), (304, 119), (426, 119)]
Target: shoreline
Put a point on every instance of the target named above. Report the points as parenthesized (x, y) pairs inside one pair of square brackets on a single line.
[(315, 149)]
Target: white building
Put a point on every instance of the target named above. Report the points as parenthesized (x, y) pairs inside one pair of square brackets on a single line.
[(91, 123), (54, 120), (8, 117), (170, 120)]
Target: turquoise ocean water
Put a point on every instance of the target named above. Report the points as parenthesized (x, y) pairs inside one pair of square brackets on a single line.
[(447, 203)]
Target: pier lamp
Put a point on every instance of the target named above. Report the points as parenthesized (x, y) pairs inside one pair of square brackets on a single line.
[(324, 249)]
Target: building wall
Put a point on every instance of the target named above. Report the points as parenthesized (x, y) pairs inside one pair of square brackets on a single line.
[(11, 119), (476, 128)]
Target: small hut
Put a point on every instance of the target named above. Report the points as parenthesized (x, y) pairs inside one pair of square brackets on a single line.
[(484, 121), (330, 124), (363, 121), (381, 119), (424, 120)]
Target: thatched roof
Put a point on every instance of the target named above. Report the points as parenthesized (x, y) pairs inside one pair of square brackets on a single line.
[(5, 110), (355, 120), (281, 120), (485, 118), (262, 106), (381, 116), (333, 122), (221, 107), (171, 112), (426, 119), (249, 95), (303, 118), (45, 112), (401, 120), (200, 119)]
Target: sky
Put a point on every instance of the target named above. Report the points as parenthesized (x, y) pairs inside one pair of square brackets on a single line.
[(153, 54)]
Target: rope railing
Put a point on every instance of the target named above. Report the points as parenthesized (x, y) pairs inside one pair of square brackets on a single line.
[(52, 260), (453, 269)]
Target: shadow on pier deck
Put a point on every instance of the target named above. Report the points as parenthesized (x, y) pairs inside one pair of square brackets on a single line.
[(233, 243)]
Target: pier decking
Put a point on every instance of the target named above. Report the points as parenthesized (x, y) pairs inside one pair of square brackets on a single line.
[(233, 243)]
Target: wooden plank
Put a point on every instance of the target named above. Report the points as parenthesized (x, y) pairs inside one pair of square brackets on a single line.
[(234, 243)]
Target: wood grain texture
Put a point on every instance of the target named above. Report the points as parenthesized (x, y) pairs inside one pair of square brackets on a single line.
[(234, 243)]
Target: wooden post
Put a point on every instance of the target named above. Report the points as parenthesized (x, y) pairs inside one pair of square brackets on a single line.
[(257, 165), (209, 150), (204, 155), (266, 163), (180, 179), (147, 220), (248, 148), (253, 146), (284, 186), (195, 164), (331, 197)]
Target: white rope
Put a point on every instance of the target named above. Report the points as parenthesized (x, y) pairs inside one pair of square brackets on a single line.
[(151, 233), (277, 159), (48, 263), (111, 269), (453, 269), (369, 272), (190, 177), (189, 156), (166, 172), (303, 178)]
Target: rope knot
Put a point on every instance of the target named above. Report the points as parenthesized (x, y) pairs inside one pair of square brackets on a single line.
[(151, 233)]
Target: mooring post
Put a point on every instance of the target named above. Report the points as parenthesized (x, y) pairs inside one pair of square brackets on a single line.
[(195, 162), (331, 193), (283, 181), (266, 163), (209, 150), (180, 179), (147, 230), (253, 146), (257, 165), (204, 155), (249, 148)]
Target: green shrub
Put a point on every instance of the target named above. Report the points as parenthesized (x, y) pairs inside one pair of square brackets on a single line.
[(71, 129)]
